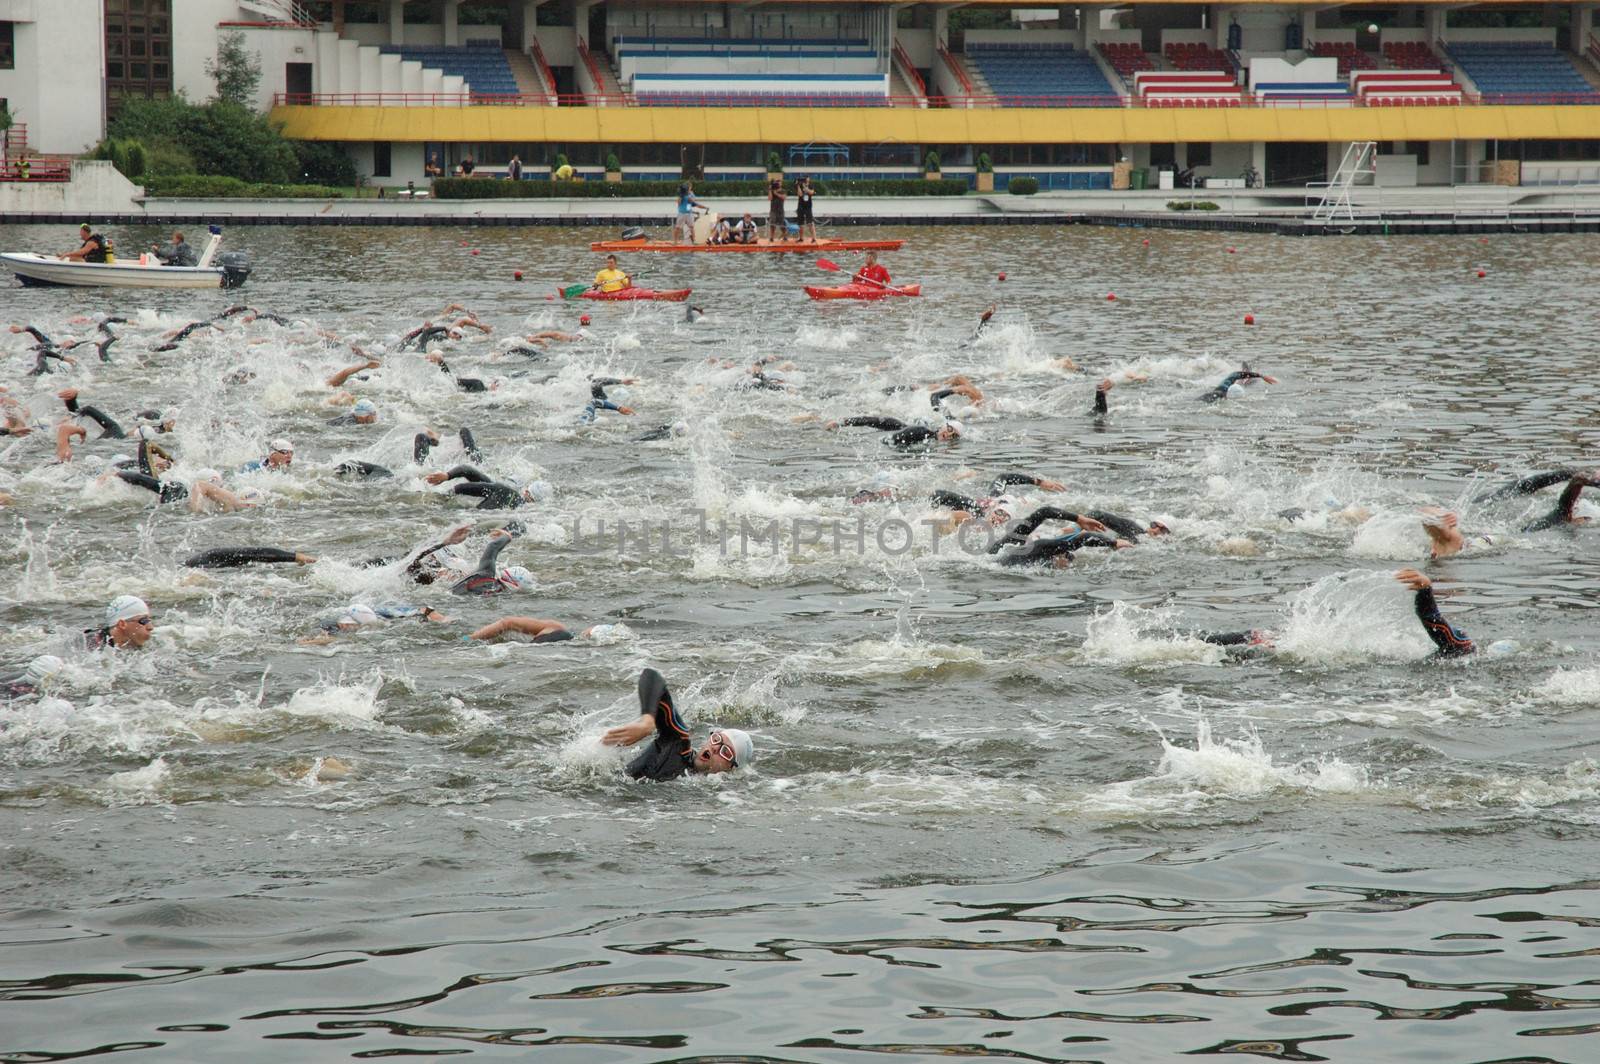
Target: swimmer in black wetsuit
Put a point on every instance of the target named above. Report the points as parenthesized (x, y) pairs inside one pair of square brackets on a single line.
[(109, 429), (492, 495), (536, 629), (1450, 641), (1128, 528), (488, 578), (1245, 373), (466, 384), (1058, 550), (184, 333), (1562, 514), (905, 437), (1529, 485), (1100, 408), (237, 557), (1017, 534), (362, 470), (663, 432), (672, 754), (426, 333), (423, 443)]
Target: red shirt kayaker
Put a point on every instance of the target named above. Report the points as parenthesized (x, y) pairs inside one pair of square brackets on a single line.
[(871, 272)]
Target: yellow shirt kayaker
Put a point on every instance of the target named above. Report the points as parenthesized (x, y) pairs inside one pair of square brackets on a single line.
[(611, 279)]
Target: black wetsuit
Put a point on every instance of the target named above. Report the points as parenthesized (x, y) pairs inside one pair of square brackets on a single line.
[(1100, 407), (484, 580), (1000, 483), (1528, 485), (1221, 390), (421, 336), (183, 334), (524, 351), (423, 444), (354, 468), (662, 433), (1125, 527), (1018, 533), (168, 490), (109, 429), (1248, 637), (1451, 641), (952, 501), (671, 753), (492, 495), (1562, 514), (935, 398), (905, 437), (235, 557), (1046, 551), (466, 384)]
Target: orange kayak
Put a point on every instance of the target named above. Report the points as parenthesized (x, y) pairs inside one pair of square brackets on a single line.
[(670, 295), (862, 291)]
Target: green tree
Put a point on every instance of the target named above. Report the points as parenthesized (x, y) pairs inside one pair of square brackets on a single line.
[(236, 71), (226, 138), (5, 118)]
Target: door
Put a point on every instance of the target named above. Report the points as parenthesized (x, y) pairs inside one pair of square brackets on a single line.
[(1294, 163), (297, 80)]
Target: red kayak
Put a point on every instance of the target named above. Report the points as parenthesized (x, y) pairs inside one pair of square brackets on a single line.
[(863, 291), (670, 295)]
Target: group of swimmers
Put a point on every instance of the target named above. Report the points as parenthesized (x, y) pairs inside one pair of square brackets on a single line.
[(1020, 537)]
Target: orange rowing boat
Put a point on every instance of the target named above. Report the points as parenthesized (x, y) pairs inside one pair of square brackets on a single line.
[(771, 247)]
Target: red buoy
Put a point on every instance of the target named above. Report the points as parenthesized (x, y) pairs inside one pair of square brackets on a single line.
[(1482, 273), (1002, 275), (584, 320), (1146, 241), (516, 275), (1232, 251), (1249, 319), (474, 251)]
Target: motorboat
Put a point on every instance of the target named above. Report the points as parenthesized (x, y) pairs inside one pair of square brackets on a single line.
[(229, 270)]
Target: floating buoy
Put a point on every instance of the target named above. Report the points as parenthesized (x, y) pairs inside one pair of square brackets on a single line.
[(1146, 241), (1002, 275), (1482, 273), (474, 251), (516, 275), (584, 320), (1111, 297), (1249, 319)]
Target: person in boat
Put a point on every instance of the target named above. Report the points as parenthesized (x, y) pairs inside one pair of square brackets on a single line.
[(722, 232), (177, 253), (93, 247), (672, 753), (683, 223), (745, 230), (871, 273), (612, 279)]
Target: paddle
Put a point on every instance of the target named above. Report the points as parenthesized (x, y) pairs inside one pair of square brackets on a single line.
[(834, 267)]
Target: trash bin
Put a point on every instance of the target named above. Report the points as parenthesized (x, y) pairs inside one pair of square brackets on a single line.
[(1140, 176)]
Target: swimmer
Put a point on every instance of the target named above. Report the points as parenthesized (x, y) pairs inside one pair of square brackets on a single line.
[(436, 562), (1243, 375), (280, 456), (1058, 550), (180, 335), (1450, 641), (364, 412), (361, 470), (109, 429), (32, 680), (1528, 485), (425, 334), (338, 379), (466, 384), (1249, 639), (488, 578), (492, 495), (1017, 534), (955, 386), (1127, 527), (672, 753), (128, 626), (357, 616), (905, 436), (238, 557), (1443, 534), (1100, 408), (664, 432), (1562, 514), (535, 629), (598, 400), (692, 314)]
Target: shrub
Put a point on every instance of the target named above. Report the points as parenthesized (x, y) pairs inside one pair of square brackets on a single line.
[(613, 164), (1191, 205), (321, 163), (984, 165), (126, 154), (165, 156), (466, 188), (930, 162), (1023, 186), (216, 138), (560, 161), (774, 163), (213, 186)]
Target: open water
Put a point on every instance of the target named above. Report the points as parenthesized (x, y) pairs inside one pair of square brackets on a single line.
[(996, 813)]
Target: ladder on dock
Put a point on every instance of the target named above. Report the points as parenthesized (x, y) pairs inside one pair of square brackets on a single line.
[(1360, 161)]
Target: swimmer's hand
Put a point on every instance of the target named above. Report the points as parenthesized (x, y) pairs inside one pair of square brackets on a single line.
[(1089, 524), (1122, 544), (458, 534), (1052, 485), (436, 478), (628, 734), (1413, 579), (625, 410), (1105, 385)]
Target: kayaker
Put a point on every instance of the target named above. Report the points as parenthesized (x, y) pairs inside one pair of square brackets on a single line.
[(672, 753), (611, 279), (93, 249), (871, 273)]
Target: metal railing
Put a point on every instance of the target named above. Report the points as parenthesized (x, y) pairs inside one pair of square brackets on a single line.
[(961, 75), (909, 68), (731, 99), (547, 77)]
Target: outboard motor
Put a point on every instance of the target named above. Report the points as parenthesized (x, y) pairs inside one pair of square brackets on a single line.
[(633, 233), (235, 268)]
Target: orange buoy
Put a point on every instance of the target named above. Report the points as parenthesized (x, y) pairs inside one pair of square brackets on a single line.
[(1482, 273), (584, 320)]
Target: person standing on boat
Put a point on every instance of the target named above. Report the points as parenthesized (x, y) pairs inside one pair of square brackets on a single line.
[(871, 272), (684, 222), (803, 216), (777, 225), (93, 249), (177, 253), (612, 279)]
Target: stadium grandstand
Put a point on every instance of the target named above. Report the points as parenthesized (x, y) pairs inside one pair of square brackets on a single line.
[(1097, 96)]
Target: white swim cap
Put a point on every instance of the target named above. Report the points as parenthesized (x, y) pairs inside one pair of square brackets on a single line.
[(358, 614), (148, 432), (954, 424), (680, 428), (744, 750), (42, 668), (518, 577), (210, 476), (601, 632), (125, 608), (281, 444), (1502, 648), (537, 490), (364, 407)]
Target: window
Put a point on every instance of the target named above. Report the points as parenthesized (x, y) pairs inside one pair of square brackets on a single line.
[(138, 48), (1420, 149), (1199, 153), (8, 46), (380, 158), (1163, 157)]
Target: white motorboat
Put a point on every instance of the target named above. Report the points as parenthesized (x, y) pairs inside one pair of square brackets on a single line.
[(228, 271)]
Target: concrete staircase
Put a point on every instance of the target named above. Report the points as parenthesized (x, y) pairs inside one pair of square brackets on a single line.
[(529, 84)]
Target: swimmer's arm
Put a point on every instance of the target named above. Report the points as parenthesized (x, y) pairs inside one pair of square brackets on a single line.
[(528, 626), (338, 379), (455, 536), (421, 444), (1569, 497), (1100, 391), (998, 485), (1450, 641), (490, 558), (1540, 481), (885, 424)]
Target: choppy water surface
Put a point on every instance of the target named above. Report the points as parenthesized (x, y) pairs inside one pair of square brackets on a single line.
[(997, 813)]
